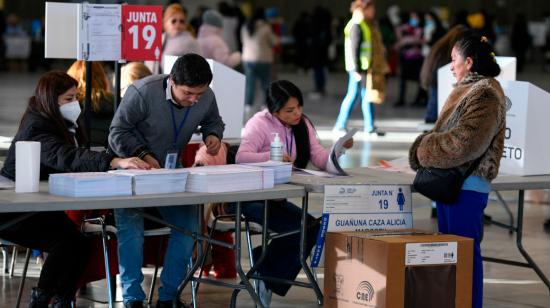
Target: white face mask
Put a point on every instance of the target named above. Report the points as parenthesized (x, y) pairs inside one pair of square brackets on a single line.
[(70, 111)]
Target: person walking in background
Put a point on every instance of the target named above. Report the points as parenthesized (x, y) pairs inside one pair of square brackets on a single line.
[(409, 46), (258, 42), (102, 100), (520, 39), (470, 130), (177, 40), (231, 28), (211, 42), (387, 26), (318, 49), (440, 55), (364, 52), (432, 32)]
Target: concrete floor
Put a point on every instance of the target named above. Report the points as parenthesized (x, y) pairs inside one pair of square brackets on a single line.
[(505, 286)]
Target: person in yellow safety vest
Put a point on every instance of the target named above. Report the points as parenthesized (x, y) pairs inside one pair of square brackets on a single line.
[(358, 50)]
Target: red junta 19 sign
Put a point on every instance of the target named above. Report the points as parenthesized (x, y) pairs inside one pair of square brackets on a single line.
[(141, 32)]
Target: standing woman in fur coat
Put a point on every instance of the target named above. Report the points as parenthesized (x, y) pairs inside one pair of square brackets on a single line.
[(471, 125)]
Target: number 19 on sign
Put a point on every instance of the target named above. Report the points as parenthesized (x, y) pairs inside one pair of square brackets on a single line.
[(141, 39), (148, 33)]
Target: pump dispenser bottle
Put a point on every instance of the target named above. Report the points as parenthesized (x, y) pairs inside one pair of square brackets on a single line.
[(276, 149)]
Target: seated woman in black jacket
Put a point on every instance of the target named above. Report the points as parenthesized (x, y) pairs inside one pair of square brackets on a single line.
[(51, 118)]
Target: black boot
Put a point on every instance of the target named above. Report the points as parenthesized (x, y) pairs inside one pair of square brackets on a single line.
[(39, 298), (60, 302)]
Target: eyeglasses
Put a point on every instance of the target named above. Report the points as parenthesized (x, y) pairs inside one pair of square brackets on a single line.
[(174, 21)]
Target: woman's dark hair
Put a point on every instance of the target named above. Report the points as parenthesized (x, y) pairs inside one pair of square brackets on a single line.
[(45, 100), (278, 94), (258, 14), (478, 48)]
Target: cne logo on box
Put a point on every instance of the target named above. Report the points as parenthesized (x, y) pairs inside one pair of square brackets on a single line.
[(364, 292)]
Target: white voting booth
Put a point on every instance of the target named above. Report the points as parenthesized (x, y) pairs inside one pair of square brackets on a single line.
[(527, 120), (445, 79), (228, 86)]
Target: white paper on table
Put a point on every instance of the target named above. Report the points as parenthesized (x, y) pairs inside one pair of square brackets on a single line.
[(336, 151), (99, 33), (6, 183), (397, 165), (313, 172)]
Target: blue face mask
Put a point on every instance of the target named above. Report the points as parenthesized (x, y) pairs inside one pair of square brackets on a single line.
[(413, 22), (430, 24)]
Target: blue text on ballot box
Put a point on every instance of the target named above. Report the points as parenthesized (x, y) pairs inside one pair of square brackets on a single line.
[(363, 207)]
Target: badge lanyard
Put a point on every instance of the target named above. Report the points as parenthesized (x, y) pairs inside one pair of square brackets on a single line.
[(177, 130), (289, 148), (172, 155)]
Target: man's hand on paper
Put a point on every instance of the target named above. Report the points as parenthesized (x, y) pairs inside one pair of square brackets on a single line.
[(151, 161), (129, 163), (213, 144)]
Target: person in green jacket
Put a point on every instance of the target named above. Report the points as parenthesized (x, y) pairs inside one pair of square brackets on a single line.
[(358, 51)]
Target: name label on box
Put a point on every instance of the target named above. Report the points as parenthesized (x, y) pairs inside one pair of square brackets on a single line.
[(431, 253), (363, 207)]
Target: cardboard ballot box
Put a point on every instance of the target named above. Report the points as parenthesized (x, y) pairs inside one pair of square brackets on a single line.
[(394, 269)]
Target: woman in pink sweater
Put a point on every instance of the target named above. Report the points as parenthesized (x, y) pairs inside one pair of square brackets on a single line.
[(283, 116)]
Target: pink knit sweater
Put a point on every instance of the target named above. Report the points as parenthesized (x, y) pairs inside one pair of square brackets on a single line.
[(257, 138)]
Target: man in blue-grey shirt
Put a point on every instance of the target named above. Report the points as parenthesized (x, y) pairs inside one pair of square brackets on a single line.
[(154, 122)]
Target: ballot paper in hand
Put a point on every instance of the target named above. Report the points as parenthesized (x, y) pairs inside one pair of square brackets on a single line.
[(336, 151)]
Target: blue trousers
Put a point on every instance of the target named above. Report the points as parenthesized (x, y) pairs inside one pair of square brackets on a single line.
[(282, 260), (431, 107), (356, 89), (130, 251), (254, 71), (464, 218)]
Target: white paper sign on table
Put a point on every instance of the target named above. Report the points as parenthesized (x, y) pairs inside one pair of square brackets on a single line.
[(363, 207)]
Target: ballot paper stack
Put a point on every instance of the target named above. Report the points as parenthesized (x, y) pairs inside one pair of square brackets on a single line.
[(225, 178), (90, 184), (157, 181), (283, 170)]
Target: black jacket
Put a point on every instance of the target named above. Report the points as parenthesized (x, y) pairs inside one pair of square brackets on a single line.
[(57, 155)]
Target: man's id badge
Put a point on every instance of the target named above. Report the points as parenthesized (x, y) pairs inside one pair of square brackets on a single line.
[(171, 160)]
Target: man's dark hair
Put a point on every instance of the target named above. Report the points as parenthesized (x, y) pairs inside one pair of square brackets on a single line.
[(191, 70)]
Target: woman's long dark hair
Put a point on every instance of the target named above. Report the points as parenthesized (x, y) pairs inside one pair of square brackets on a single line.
[(480, 50), (278, 94), (45, 100), (258, 14)]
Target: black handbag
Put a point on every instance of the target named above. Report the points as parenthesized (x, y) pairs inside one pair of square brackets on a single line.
[(443, 185)]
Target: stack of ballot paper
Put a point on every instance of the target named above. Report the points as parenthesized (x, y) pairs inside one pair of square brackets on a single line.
[(156, 181), (224, 178), (283, 170), (90, 184)]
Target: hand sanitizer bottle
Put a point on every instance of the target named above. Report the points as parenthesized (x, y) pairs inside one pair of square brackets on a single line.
[(276, 149)]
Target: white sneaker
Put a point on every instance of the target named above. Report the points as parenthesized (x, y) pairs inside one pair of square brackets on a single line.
[(264, 293)]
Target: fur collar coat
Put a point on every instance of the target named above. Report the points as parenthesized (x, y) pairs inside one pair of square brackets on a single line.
[(473, 120)]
